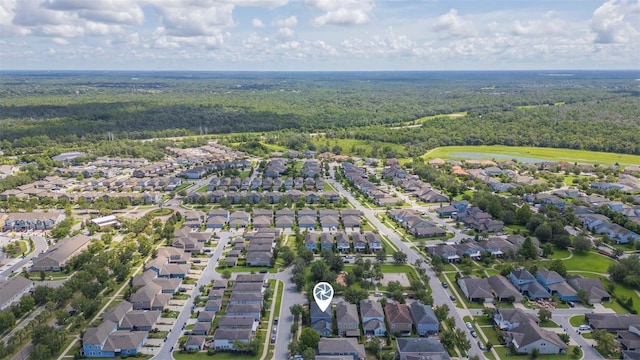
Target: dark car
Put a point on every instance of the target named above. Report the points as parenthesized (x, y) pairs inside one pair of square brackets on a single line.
[(273, 339), (444, 285), (275, 320), (453, 298), (571, 304), (474, 334), (263, 271)]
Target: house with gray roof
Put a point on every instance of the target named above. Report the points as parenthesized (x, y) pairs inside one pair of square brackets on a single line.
[(12, 290), (237, 322), (255, 298), (556, 285), (372, 318), (118, 312), (250, 278), (139, 320), (612, 322), (341, 347), (244, 310), (527, 285), (503, 290), (529, 336), (225, 339), (247, 287), (593, 286), (58, 256), (201, 328), (347, 319), (507, 319), (206, 316), (424, 318), (149, 297), (476, 289), (195, 343), (420, 348)]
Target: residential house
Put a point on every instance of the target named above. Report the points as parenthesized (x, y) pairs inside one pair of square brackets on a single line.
[(399, 318), (529, 336), (12, 290), (225, 339), (139, 320), (420, 348), (237, 322), (593, 286), (347, 319), (247, 287), (284, 221), (612, 322), (213, 305), (503, 290), (118, 312), (259, 258), (326, 241), (359, 242), (476, 289), (149, 297), (424, 318), (195, 343), (58, 256), (341, 346), (206, 316), (342, 242), (446, 252), (556, 285), (251, 278), (527, 285), (372, 318), (507, 319), (311, 241), (351, 221), (244, 310), (374, 241), (105, 341), (246, 298), (479, 220), (306, 222), (201, 328), (498, 247)]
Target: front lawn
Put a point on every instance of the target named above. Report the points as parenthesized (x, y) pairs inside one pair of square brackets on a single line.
[(590, 261), (503, 353)]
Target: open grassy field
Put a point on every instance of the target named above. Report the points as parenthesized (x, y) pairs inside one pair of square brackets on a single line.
[(530, 154), (427, 118), (357, 147)]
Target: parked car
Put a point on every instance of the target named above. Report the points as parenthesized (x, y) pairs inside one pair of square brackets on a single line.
[(263, 271), (273, 339), (481, 345), (469, 326), (584, 327), (473, 333), (453, 298), (444, 285), (275, 320), (571, 304)]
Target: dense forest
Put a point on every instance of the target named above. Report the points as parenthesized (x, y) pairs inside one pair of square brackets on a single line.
[(586, 110)]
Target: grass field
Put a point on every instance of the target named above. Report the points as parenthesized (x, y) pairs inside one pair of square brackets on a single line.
[(589, 262), (530, 154), (358, 147), (427, 118)]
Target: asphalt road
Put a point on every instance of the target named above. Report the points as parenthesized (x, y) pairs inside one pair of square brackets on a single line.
[(289, 297), (17, 264), (208, 274)]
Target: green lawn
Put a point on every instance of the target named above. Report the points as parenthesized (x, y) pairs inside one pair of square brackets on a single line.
[(491, 334), (590, 261), (276, 312), (219, 356), (358, 147), (534, 154), (503, 351), (577, 320)]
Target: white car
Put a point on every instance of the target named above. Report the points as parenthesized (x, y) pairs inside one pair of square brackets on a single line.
[(469, 326), (584, 327)]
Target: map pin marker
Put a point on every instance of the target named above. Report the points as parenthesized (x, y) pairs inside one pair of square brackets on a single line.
[(323, 294)]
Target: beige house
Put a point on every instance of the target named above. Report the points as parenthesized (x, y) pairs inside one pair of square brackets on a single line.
[(57, 257)]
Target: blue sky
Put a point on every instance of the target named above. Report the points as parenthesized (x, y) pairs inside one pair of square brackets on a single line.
[(319, 34)]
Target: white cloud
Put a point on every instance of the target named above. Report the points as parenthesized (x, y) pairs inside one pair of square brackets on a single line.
[(616, 22), (453, 25), (291, 21), (257, 23), (342, 12), (285, 33)]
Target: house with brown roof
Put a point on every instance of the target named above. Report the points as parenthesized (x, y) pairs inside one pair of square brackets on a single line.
[(399, 318)]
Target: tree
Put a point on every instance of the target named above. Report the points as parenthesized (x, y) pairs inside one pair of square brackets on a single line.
[(399, 257), (296, 310), (287, 255), (606, 341), (534, 353), (558, 266), (374, 345), (226, 274), (528, 250), (576, 352), (544, 315), (354, 295), (7, 320), (309, 339), (381, 256), (581, 244), (543, 232), (583, 296), (308, 354)]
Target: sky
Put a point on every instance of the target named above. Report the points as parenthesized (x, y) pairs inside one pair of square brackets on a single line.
[(323, 35)]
